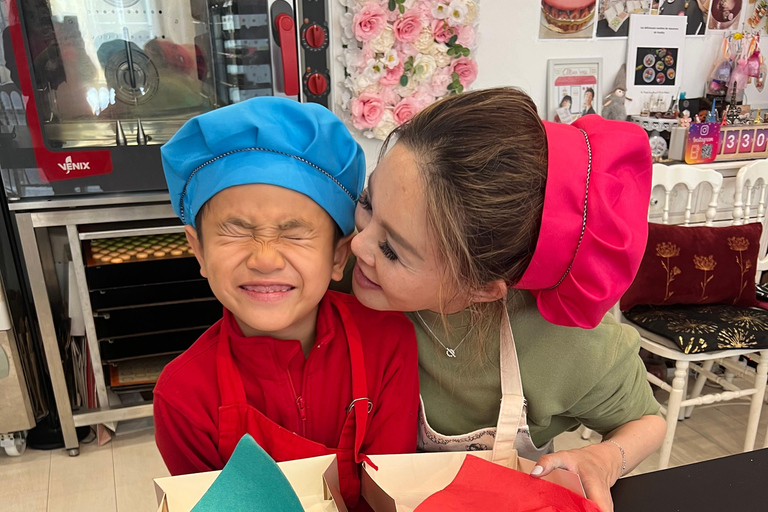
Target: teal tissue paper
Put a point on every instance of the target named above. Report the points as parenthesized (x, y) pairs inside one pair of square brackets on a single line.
[(251, 481)]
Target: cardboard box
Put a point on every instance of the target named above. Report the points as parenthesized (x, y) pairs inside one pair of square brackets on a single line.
[(315, 480), (404, 481)]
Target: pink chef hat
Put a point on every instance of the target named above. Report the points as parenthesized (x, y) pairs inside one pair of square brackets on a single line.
[(595, 222)]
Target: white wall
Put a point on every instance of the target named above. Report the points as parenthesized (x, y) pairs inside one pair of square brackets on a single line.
[(509, 55)]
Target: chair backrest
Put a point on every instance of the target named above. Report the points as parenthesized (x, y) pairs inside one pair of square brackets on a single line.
[(671, 176), (751, 181)]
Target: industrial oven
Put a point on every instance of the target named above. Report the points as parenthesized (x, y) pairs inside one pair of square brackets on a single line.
[(89, 91)]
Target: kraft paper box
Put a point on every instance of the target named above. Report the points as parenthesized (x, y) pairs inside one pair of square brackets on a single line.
[(404, 481), (315, 481)]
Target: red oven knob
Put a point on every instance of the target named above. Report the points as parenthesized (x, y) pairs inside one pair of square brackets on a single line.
[(314, 35), (317, 84)]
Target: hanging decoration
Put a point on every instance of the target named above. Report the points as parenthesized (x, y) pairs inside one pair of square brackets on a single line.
[(402, 55)]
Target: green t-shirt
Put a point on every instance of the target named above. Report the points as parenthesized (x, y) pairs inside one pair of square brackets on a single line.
[(570, 376)]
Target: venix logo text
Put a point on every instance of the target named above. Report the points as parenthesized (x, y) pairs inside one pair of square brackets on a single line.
[(70, 166)]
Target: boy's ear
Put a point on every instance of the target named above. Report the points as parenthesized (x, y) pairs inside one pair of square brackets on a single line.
[(196, 244), (340, 256)]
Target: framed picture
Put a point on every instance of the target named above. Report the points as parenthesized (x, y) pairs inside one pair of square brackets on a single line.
[(573, 88)]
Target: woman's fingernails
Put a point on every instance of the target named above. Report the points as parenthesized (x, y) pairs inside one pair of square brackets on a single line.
[(537, 470)]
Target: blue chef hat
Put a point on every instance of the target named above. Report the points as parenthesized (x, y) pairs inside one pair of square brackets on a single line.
[(274, 141)]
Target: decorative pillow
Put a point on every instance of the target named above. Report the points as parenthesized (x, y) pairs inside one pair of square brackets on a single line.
[(697, 265), (708, 328)]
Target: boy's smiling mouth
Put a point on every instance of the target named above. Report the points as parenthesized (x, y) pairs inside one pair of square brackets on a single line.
[(267, 292)]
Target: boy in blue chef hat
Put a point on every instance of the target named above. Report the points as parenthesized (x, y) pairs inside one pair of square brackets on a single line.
[(267, 191)]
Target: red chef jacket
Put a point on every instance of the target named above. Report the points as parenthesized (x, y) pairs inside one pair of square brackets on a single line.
[(284, 386)]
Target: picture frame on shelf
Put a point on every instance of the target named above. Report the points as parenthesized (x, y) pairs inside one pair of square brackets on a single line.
[(574, 88)]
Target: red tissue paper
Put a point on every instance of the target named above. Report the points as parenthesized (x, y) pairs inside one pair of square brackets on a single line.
[(483, 485)]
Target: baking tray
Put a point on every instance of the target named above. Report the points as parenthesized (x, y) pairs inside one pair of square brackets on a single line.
[(149, 294), (142, 273), (155, 319), (169, 342)]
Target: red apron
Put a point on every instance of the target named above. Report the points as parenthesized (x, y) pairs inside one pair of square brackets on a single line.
[(237, 418)]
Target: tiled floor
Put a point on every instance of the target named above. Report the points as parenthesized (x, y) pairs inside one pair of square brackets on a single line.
[(118, 477)]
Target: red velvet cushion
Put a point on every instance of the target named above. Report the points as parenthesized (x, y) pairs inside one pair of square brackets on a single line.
[(698, 265)]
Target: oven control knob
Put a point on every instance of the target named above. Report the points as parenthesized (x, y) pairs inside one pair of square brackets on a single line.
[(317, 84), (314, 35)]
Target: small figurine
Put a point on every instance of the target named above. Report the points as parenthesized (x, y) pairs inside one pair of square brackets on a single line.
[(758, 117), (613, 107), (732, 112), (712, 116), (685, 120)]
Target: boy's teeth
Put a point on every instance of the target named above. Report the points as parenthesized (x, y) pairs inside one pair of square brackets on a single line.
[(268, 289)]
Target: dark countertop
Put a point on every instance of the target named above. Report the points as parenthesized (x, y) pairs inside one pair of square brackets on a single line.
[(734, 483)]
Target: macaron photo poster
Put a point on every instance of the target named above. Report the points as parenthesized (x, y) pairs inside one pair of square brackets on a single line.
[(567, 19), (654, 49)]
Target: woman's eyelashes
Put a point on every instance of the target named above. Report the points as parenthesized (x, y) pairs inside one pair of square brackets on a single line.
[(387, 251), (364, 202)]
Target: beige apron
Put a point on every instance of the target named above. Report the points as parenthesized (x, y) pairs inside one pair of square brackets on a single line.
[(511, 432)]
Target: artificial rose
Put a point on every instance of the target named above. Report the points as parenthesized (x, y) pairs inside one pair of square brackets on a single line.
[(439, 84), (373, 89), (393, 75), (385, 125), (358, 84), (408, 27), (423, 67), (384, 42), (466, 68), (425, 40), (423, 96), (457, 12), (369, 21), (391, 59), (471, 12), (389, 96), (440, 11), (408, 90), (367, 110), (439, 52), (405, 110), (406, 50), (441, 31), (424, 7), (466, 36)]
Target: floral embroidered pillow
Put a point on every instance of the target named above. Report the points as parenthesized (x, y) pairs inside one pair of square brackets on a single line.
[(705, 328), (697, 265)]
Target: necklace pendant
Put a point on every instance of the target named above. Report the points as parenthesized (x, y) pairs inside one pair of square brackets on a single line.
[(450, 352)]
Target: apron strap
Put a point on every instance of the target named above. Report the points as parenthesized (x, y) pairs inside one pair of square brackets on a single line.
[(512, 401), (360, 401), (231, 389)]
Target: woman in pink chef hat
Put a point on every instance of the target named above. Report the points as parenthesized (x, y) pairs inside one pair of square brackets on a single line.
[(507, 239)]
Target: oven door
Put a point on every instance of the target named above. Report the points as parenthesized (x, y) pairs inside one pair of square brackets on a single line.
[(100, 84)]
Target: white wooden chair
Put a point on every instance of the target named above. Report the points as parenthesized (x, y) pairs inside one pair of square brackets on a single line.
[(702, 363)]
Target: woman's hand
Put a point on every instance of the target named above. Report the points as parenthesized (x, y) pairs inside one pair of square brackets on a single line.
[(598, 466)]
